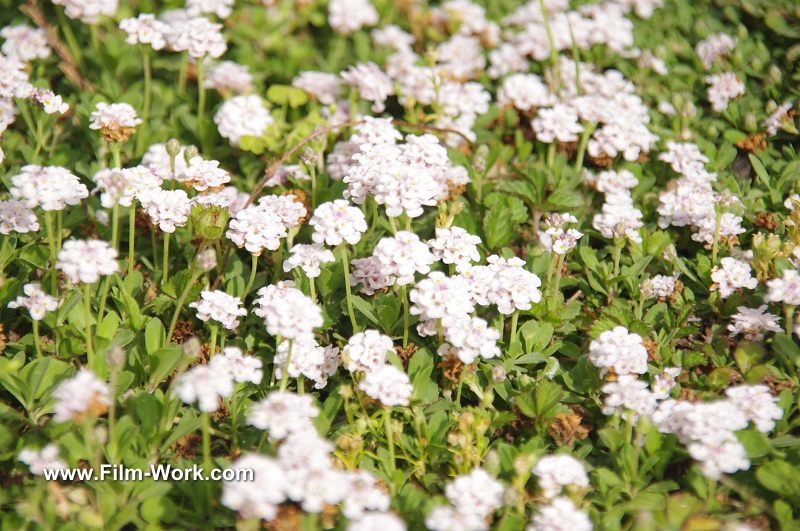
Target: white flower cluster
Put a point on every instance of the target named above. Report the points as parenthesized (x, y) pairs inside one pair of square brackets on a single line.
[(785, 289), (777, 119), (366, 351), (321, 85), (403, 177), (732, 275), (403, 255), (388, 385), (619, 218), (36, 301), (145, 29), (659, 286), (560, 514), (377, 520), (469, 337), (24, 43), (716, 45), (47, 458), (559, 123), (303, 472), (753, 322), (282, 414), (336, 222), (219, 306), (513, 287), (723, 88), (691, 200), (557, 240), (371, 82), (474, 497), (50, 102), (455, 246), (86, 260), (240, 367), (707, 428), (15, 216), (287, 311), (12, 77), (48, 187), (113, 118), (440, 297), (524, 92), (308, 258), (82, 394), (204, 175), (199, 37), (558, 471), (620, 350), (347, 16), (88, 11), (243, 115), (168, 208), (227, 76), (305, 357), (221, 8), (204, 384)]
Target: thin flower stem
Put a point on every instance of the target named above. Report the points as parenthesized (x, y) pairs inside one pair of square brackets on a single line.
[(165, 263), (39, 136), (212, 344), (148, 88), (375, 216), (285, 375), (587, 132), (87, 296), (348, 291), (313, 171), (48, 219), (553, 51), (59, 227), (551, 264), (201, 106), (207, 450), (551, 154), (115, 227), (36, 343), (313, 289), (182, 300), (404, 297), (387, 421), (557, 284), (514, 320), (112, 414), (393, 225), (72, 42), (788, 312), (715, 245), (131, 238), (253, 267), (103, 298)]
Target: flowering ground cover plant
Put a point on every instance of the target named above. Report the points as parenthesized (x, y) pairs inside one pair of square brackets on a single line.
[(449, 266)]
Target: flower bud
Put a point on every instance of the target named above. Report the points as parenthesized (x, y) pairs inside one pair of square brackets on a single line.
[(479, 160), (207, 260), (115, 357), (750, 123), (173, 147), (498, 373), (190, 152), (757, 64), (210, 222), (192, 347), (670, 253), (309, 156), (774, 74)]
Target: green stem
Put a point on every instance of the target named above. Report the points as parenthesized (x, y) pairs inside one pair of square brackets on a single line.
[(48, 219), (393, 225), (207, 449), (551, 265), (557, 284), (551, 154), (182, 300), (387, 421), (514, 319), (39, 135), (59, 227), (587, 132), (788, 310), (212, 344), (285, 375), (348, 291), (115, 227), (69, 36), (201, 106), (715, 245), (87, 296), (148, 87), (131, 237), (103, 297), (553, 52), (404, 297), (375, 216), (36, 338), (165, 263), (112, 415), (313, 171), (313, 289), (253, 267)]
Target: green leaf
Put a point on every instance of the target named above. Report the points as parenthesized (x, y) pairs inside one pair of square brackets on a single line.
[(154, 336), (366, 310), (157, 510), (781, 477), (755, 443), (420, 367), (163, 362), (497, 227)]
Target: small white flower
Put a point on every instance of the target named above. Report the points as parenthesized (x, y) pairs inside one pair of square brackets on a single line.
[(220, 307), (83, 393), (36, 301), (388, 385), (242, 368), (205, 385), (40, 460), (86, 260)]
